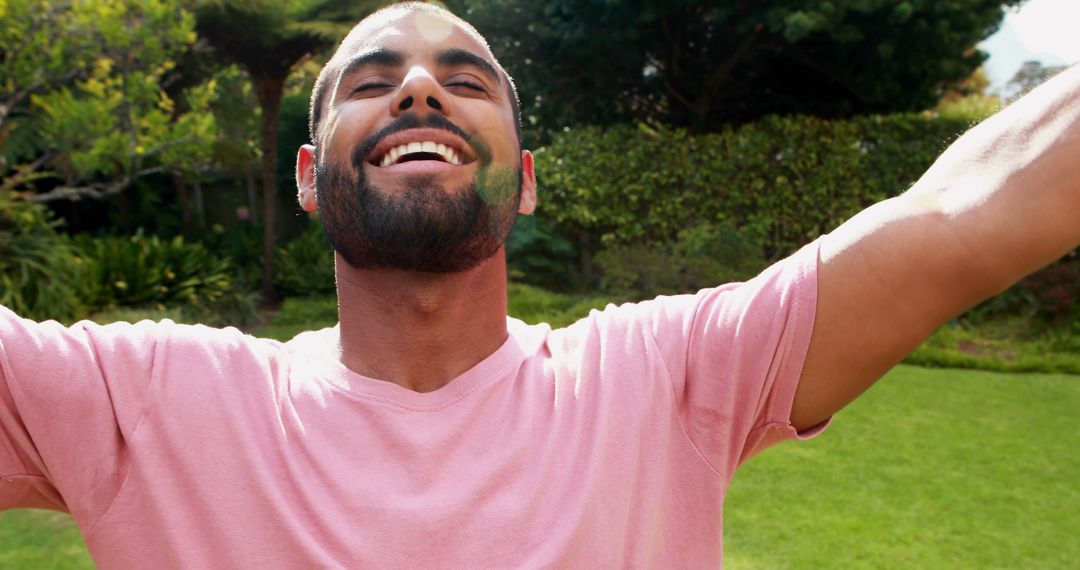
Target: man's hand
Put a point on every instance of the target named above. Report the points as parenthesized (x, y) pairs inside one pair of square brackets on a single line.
[(1001, 202)]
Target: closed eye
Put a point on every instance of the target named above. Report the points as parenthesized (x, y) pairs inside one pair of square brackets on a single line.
[(467, 84), (369, 86)]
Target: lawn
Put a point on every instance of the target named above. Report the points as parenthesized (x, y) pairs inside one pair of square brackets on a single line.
[(932, 468)]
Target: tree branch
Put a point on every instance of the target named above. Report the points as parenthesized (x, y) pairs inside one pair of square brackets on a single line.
[(97, 191), (27, 172)]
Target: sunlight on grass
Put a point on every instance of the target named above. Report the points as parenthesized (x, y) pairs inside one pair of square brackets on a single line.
[(37, 540), (930, 469)]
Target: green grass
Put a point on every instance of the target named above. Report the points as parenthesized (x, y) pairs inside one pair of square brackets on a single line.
[(40, 540), (929, 469)]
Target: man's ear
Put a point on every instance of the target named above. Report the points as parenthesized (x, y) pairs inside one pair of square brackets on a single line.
[(528, 184), (305, 178)]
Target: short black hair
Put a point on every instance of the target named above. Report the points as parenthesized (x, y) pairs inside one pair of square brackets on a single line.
[(319, 91)]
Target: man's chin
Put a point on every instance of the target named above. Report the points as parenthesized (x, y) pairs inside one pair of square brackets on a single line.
[(416, 262)]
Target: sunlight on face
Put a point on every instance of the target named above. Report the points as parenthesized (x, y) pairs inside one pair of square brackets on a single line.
[(432, 27)]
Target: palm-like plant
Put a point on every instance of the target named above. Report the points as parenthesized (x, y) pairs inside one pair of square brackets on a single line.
[(267, 38)]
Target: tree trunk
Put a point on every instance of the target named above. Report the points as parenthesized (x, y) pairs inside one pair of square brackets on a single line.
[(252, 198), (269, 90), (183, 201), (200, 206)]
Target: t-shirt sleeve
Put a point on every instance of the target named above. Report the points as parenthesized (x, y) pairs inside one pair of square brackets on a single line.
[(736, 353), (69, 398)]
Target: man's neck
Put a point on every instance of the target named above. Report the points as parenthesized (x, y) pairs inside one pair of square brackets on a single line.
[(420, 330)]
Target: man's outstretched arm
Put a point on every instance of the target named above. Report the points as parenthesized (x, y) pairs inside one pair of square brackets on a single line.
[(1001, 202)]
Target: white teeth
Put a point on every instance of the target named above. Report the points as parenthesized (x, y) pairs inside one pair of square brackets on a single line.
[(448, 153)]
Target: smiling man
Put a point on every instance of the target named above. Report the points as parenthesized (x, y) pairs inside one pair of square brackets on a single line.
[(428, 429)]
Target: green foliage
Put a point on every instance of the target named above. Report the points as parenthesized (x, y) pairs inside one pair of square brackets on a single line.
[(535, 305), (1007, 343), (141, 271), (268, 38), (702, 65), (82, 98), (241, 244), (1055, 290), (786, 179), (538, 254), (36, 263), (974, 107), (701, 256), (1050, 296), (305, 265)]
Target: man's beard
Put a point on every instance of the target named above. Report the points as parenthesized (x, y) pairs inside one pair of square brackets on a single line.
[(426, 227)]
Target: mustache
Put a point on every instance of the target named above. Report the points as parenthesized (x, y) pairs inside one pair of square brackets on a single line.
[(411, 121)]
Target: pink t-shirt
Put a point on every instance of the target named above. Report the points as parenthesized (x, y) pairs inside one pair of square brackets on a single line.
[(607, 444)]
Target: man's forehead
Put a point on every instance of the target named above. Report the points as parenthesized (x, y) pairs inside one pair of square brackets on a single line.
[(407, 31)]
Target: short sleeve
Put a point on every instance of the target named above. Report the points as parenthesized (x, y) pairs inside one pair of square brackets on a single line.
[(735, 354), (69, 398)]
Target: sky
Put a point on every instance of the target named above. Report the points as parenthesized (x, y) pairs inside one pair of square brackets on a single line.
[(1043, 30)]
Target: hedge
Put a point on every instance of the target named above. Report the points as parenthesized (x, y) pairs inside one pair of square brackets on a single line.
[(787, 179)]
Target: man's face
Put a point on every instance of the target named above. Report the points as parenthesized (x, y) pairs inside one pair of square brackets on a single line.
[(419, 166)]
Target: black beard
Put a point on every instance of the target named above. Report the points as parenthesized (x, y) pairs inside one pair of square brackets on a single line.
[(427, 227)]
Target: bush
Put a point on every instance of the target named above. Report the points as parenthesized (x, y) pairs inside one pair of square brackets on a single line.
[(704, 255), (37, 265), (147, 271), (1055, 290), (1050, 296), (538, 254), (242, 244), (536, 305), (790, 179), (305, 265)]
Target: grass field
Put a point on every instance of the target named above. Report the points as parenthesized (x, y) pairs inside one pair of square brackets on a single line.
[(930, 469)]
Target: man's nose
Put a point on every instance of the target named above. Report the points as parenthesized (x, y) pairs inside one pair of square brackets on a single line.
[(419, 92)]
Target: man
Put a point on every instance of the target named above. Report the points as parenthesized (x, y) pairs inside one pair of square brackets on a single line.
[(427, 429)]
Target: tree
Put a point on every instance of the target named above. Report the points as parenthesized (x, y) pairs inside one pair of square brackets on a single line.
[(705, 64), (82, 109), (267, 38), (1029, 76), (969, 100)]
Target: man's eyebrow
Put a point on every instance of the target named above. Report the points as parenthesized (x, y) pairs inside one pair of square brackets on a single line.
[(456, 56), (380, 56)]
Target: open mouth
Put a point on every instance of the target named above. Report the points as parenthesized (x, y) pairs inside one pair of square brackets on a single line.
[(425, 150)]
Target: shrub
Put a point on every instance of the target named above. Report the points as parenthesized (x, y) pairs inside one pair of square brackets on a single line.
[(538, 254), (305, 265), (788, 178), (147, 271), (536, 305), (1049, 296), (242, 244), (704, 255), (1055, 290), (37, 266)]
